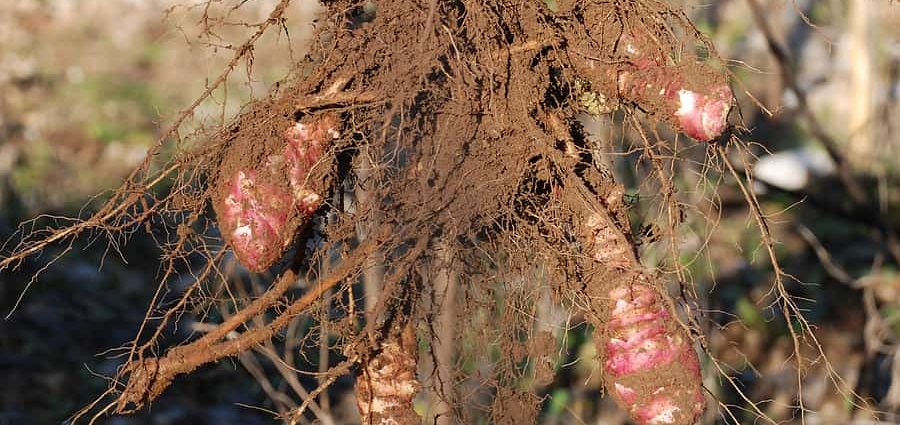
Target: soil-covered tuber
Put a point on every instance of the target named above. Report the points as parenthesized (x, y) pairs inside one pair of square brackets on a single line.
[(649, 365), (654, 369), (637, 63), (253, 218), (698, 105), (387, 383), (260, 209)]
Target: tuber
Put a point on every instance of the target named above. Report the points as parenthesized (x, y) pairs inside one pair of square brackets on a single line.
[(253, 219), (258, 213), (643, 340), (387, 383), (304, 147), (650, 366), (697, 99), (688, 93)]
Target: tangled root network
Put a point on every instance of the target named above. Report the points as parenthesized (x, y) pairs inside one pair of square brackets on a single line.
[(439, 139)]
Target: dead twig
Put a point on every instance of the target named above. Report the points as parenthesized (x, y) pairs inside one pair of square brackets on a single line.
[(149, 377)]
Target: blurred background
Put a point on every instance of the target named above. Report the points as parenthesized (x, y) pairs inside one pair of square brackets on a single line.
[(86, 86)]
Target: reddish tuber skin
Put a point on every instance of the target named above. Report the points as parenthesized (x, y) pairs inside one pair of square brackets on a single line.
[(642, 339), (259, 217), (253, 220), (304, 147), (650, 367), (698, 108)]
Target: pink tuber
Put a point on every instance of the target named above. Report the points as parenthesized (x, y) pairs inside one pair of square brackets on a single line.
[(643, 340), (304, 147), (259, 214), (650, 367), (253, 220), (697, 99)]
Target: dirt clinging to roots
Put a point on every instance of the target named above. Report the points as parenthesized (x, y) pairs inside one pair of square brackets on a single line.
[(463, 112)]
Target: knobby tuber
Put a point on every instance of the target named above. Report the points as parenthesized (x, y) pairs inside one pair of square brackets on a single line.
[(699, 105), (650, 367), (258, 213), (305, 145), (387, 382), (253, 217), (636, 64)]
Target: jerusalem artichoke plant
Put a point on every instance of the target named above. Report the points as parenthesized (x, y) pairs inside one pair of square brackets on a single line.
[(453, 105)]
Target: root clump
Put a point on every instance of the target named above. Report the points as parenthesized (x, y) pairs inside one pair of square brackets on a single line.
[(464, 113)]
